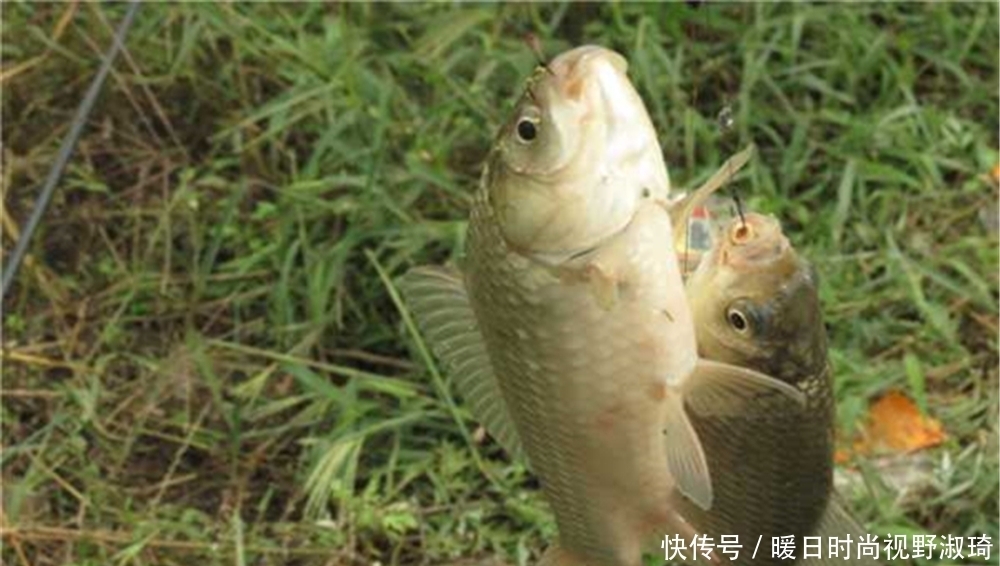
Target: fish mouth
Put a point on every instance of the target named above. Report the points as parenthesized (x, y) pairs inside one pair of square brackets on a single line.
[(600, 76), (597, 72), (753, 241), (576, 67)]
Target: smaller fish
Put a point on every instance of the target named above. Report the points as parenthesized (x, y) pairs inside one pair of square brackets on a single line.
[(756, 305)]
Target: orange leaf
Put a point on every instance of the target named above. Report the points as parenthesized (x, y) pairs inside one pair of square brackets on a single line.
[(895, 425), (842, 456)]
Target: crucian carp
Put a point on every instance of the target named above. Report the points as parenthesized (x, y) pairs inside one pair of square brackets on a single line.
[(567, 329)]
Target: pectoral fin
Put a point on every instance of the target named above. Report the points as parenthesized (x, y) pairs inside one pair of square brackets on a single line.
[(685, 456), (440, 305), (717, 388), (714, 388)]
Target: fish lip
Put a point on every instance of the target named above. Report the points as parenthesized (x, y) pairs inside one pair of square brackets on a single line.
[(608, 72), (574, 67), (754, 241), (592, 70)]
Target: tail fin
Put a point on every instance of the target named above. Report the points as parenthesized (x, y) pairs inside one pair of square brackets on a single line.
[(837, 521), (557, 556)]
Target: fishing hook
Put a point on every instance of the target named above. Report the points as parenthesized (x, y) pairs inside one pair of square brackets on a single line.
[(739, 209)]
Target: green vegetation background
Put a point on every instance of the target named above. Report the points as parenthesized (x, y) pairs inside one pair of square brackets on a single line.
[(204, 363)]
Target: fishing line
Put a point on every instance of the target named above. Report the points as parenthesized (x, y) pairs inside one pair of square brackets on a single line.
[(726, 123), (694, 5), (535, 45), (687, 245), (739, 209), (66, 150)]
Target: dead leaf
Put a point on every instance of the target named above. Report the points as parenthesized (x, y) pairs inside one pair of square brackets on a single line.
[(894, 425), (841, 456)]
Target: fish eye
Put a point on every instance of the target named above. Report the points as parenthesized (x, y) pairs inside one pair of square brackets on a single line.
[(738, 320), (527, 130)]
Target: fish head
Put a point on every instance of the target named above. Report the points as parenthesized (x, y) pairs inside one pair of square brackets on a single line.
[(579, 152), (756, 304)]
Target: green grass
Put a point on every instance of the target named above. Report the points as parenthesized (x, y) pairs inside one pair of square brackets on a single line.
[(203, 363)]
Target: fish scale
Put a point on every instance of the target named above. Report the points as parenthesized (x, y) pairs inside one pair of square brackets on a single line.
[(550, 407)]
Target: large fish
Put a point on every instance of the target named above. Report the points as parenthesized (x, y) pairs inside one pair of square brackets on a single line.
[(755, 304), (567, 329)]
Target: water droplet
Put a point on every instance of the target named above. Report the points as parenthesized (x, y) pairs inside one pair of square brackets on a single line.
[(725, 119)]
